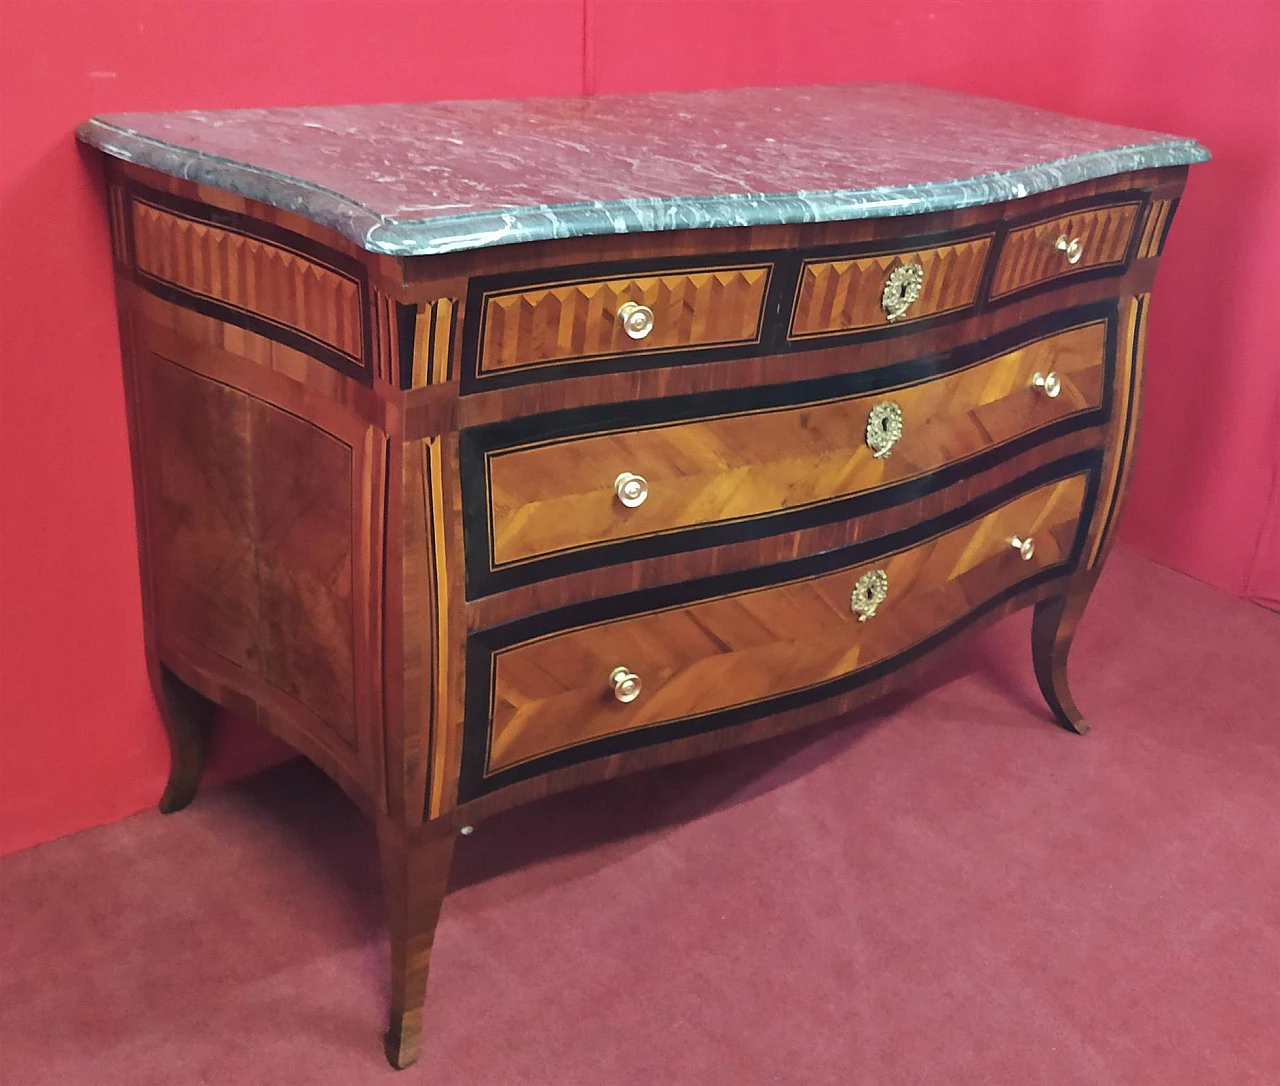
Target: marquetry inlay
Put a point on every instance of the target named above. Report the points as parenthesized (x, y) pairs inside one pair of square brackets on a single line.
[(846, 295), (274, 283), (570, 322), (1030, 254)]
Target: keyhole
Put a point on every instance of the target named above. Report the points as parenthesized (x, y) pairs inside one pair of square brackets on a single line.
[(884, 425), (870, 594), (902, 291)]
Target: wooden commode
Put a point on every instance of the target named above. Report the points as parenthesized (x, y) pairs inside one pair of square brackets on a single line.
[(486, 449)]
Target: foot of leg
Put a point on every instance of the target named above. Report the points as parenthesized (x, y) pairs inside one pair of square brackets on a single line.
[(415, 866), (1052, 629), (187, 715)]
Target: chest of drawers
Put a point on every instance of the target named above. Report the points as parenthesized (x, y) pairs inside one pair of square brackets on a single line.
[(487, 449)]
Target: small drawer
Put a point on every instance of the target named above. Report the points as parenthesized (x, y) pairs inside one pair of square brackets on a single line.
[(570, 494), (737, 654), (599, 318), (884, 290), (1064, 245)]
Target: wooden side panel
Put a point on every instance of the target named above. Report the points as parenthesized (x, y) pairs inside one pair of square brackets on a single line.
[(554, 692), (1030, 255), (248, 274), (252, 527), (579, 320), (1155, 228), (845, 295), (433, 342), (558, 496)]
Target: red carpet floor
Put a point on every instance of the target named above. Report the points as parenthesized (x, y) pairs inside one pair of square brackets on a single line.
[(948, 890)]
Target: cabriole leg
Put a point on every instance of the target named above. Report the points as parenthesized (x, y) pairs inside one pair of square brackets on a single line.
[(188, 715), (1052, 629), (415, 867)]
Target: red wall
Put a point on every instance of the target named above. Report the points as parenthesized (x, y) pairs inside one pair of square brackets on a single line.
[(80, 741)]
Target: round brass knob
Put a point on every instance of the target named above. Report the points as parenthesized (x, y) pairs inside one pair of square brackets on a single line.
[(1048, 383), (626, 686), (1073, 248), (1026, 548), (637, 319), (631, 489)]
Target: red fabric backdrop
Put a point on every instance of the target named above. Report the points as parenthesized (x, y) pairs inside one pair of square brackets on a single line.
[(80, 741)]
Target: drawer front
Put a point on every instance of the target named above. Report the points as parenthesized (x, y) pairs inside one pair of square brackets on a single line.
[(715, 661), (579, 320), (836, 296), (1082, 241), (557, 496)]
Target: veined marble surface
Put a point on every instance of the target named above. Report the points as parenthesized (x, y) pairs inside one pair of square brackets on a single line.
[(441, 177)]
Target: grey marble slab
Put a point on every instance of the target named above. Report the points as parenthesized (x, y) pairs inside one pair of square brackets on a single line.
[(441, 177)]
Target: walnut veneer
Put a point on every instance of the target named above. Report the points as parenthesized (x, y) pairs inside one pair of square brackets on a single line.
[(377, 507)]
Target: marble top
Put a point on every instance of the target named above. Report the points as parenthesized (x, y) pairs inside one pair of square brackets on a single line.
[(441, 177)]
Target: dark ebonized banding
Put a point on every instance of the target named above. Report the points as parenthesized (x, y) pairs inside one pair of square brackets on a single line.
[(483, 578), (483, 644)]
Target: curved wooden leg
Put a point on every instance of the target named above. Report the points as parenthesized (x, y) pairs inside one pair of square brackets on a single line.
[(415, 867), (187, 715), (1052, 628)]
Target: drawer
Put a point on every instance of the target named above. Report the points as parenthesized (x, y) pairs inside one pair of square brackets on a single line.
[(883, 290), (580, 320), (741, 654), (1064, 245), (558, 495)]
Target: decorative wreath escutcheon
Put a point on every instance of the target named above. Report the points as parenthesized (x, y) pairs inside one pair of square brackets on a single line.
[(884, 427), (869, 593), (901, 289)]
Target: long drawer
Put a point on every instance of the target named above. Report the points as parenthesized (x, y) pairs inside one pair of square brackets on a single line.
[(713, 659), (582, 492)]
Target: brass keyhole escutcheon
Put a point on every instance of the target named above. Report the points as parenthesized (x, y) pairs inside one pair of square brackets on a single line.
[(884, 428), (901, 289), (869, 593)]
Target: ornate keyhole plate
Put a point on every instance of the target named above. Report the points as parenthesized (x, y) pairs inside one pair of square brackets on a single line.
[(869, 593), (884, 427), (901, 289)]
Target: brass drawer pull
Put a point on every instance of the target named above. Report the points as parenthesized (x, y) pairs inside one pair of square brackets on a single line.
[(631, 489), (869, 593), (1026, 548), (637, 319), (1073, 248), (1048, 383), (626, 685), (901, 289), (884, 428)]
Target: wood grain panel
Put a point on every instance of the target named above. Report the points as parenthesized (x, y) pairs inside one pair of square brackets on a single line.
[(844, 295), (1029, 255), (255, 563), (270, 281), (557, 496), (1155, 228), (578, 320), (553, 692)]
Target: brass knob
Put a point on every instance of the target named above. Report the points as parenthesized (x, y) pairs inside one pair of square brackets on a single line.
[(637, 319), (1026, 548), (1072, 248), (626, 686), (631, 489), (1048, 383), (901, 289), (884, 428), (869, 593)]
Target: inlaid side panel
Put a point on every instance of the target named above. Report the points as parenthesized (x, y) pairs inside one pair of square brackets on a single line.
[(847, 295), (272, 286), (1156, 228), (251, 522), (556, 496), (433, 343), (1081, 241), (710, 660), (578, 320)]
